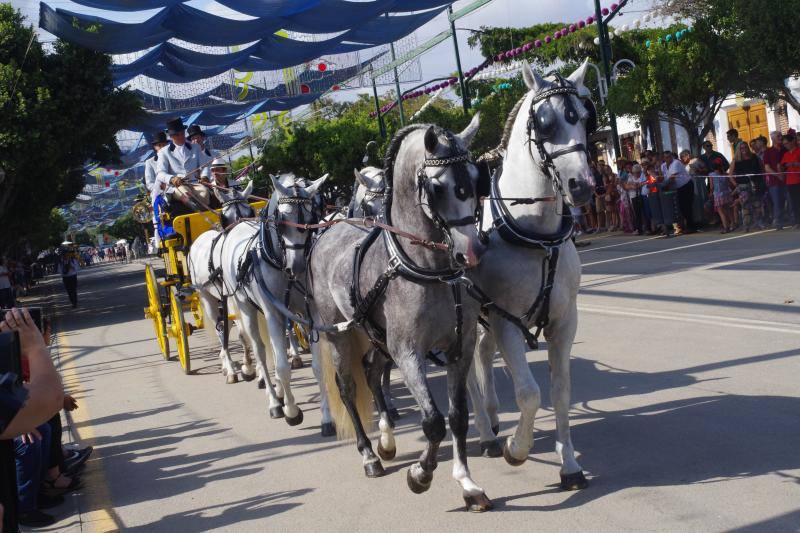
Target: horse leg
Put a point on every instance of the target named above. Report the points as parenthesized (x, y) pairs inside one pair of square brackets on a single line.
[(327, 428), (559, 342), (420, 474), (276, 327), (386, 385), (341, 353), (247, 370), (480, 384), (474, 496), (294, 348), (513, 348), (249, 323), (211, 310), (375, 366)]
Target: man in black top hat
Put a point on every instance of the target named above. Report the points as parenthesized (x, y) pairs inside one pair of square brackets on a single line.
[(198, 137), (181, 161), (157, 142)]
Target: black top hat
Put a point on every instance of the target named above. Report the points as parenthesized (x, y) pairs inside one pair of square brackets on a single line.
[(175, 126), (160, 137), (193, 130)]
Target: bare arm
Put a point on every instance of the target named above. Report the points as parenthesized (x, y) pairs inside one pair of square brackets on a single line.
[(45, 391)]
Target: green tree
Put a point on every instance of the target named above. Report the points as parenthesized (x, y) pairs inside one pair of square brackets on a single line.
[(57, 111), (125, 227)]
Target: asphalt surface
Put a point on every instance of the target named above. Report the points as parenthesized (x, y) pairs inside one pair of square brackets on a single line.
[(686, 413)]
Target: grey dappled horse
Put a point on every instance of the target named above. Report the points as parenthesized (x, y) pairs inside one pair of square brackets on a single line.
[(544, 158), (431, 194)]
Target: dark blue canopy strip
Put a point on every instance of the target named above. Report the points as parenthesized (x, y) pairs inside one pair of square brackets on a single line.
[(363, 22)]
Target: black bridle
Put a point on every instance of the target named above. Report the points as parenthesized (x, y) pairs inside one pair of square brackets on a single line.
[(239, 211), (274, 221)]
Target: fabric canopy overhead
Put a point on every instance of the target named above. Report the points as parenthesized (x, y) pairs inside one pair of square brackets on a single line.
[(222, 114), (172, 63), (316, 83), (363, 21)]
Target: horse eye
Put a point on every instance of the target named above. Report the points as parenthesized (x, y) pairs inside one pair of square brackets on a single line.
[(546, 121)]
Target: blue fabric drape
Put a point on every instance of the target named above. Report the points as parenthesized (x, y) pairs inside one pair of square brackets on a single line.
[(363, 23)]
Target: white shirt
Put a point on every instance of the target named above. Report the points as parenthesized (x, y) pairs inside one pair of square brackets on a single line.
[(207, 155), (182, 160), (70, 268), (677, 169), (150, 176)]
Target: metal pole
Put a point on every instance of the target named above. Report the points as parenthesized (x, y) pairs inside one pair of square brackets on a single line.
[(461, 82), (378, 109), (605, 52), (397, 85)]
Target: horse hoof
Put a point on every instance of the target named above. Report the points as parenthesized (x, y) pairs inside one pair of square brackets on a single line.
[(230, 379), (479, 503), (297, 363), (574, 481), (510, 459), (328, 429), (276, 412), (496, 429), (250, 377), (491, 448), (421, 485), (374, 469), (261, 384), (386, 455), (394, 414), (296, 420)]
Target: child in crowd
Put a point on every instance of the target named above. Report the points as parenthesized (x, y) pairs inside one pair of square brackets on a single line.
[(723, 199)]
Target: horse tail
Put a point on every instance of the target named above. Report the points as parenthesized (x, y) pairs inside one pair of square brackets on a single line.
[(363, 401)]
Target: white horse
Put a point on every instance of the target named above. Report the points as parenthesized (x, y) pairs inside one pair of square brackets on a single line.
[(545, 159), (205, 271), (259, 260)]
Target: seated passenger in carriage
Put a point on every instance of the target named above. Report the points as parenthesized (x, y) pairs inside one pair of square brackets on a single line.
[(179, 169), (158, 142), (198, 137)]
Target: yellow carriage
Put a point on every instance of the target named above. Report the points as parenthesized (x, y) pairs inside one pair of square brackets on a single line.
[(173, 304)]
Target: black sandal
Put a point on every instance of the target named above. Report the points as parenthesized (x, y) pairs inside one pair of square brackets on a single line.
[(49, 486)]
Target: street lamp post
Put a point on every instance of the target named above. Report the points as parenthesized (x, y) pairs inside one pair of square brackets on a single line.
[(461, 82), (605, 57)]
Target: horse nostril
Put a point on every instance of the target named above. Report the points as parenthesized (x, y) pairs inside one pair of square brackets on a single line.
[(461, 259), (573, 183)]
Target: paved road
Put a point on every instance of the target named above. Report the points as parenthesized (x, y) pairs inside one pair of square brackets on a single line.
[(686, 417)]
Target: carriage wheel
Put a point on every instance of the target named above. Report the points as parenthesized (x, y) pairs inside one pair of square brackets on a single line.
[(153, 311), (179, 329), (302, 337)]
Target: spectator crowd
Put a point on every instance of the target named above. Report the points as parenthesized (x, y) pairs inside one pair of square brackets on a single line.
[(758, 188)]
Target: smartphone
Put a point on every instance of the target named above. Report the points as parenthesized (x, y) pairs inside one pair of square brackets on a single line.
[(36, 315), (10, 354)]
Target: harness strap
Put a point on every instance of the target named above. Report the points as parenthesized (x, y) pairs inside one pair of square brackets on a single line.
[(544, 315), (477, 293)]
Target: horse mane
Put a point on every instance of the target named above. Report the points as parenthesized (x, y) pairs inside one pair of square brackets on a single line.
[(394, 147), (497, 153)]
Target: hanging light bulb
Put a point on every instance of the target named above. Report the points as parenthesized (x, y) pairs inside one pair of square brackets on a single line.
[(597, 41)]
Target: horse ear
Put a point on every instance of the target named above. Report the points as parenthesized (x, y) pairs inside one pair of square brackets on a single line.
[(276, 184), (316, 184), (247, 190), (360, 179), (579, 75), (431, 140), (469, 132), (533, 81)]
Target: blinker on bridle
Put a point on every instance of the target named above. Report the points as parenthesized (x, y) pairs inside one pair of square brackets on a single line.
[(443, 163)]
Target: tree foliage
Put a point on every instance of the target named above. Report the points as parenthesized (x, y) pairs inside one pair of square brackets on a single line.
[(57, 111)]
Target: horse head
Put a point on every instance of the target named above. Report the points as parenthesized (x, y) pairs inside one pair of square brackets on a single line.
[(369, 193), (445, 188), (294, 204), (234, 205), (560, 116)]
